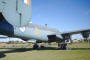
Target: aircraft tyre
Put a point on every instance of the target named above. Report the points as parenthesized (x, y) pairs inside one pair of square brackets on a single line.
[(62, 46), (35, 46), (42, 46)]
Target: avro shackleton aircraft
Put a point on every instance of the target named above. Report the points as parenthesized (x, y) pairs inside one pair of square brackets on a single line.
[(15, 21)]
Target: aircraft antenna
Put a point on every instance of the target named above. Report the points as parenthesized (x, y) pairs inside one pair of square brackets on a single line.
[(45, 25)]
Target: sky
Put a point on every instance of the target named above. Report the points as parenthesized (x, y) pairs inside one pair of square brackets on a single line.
[(65, 15)]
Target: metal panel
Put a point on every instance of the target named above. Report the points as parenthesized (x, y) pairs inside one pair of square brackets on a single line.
[(16, 12)]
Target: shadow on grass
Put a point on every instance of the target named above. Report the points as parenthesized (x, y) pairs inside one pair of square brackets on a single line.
[(80, 49), (2, 55), (14, 50), (53, 48)]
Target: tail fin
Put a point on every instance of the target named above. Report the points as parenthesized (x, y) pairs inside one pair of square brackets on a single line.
[(17, 12)]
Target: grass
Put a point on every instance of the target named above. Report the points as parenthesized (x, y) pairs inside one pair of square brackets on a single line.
[(52, 54), (49, 55)]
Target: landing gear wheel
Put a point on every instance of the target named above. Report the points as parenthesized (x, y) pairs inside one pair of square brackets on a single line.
[(35, 46), (62, 46), (42, 46)]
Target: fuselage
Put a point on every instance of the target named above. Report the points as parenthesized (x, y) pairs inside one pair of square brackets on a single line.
[(32, 31), (27, 32), (15, 16)]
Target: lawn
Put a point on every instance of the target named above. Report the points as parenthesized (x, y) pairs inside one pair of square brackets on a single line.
[(46, 54), (49, 55)]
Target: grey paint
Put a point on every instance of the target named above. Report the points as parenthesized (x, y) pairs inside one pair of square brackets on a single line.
[(8, 8), (18, 15)]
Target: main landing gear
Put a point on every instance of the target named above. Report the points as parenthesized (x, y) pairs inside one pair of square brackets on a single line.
[(62, 46), (37, 46)]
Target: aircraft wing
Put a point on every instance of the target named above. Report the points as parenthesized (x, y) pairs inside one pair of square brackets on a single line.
[(84, 32), (77, 31)]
